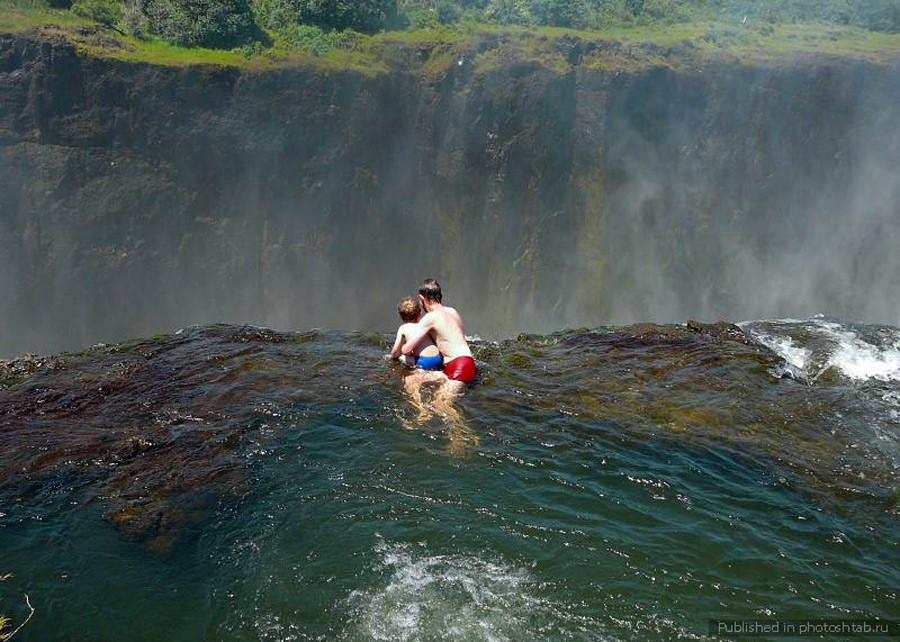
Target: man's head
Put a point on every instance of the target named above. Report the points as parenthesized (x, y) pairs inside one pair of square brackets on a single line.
[(430, 293), (408, 310)]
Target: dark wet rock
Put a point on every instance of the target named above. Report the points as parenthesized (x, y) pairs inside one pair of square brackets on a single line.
[(570, 47), (12, 370), (713, 333), (132, 420), (248, 334), (721, 330)]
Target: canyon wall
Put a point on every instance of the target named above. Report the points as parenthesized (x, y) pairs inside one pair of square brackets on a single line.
[(136, 199)]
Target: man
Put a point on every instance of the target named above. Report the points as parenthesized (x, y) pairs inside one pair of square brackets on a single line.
[(445, 326)]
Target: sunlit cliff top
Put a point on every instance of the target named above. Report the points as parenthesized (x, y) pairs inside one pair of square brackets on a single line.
[(431, 51)]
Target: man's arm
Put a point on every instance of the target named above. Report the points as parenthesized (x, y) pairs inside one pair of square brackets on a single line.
[(419, 331)]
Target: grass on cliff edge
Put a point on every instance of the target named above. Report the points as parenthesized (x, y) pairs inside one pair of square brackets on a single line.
[(618, 47), (93, 39)]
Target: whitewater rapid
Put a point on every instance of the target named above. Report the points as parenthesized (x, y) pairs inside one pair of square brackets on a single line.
[(814, 346)]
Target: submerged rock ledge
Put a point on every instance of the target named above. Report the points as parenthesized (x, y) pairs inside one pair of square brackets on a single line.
[(161, 430)]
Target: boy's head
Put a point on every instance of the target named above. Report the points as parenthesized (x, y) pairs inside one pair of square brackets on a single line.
[(408, 309)]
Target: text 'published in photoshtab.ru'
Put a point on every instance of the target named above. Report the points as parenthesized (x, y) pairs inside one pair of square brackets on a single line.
[(802, 628)]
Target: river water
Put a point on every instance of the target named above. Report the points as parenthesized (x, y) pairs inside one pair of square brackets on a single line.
[(234, 483)]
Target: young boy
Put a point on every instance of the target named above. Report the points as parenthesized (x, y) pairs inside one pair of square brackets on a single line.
[(425, 354)]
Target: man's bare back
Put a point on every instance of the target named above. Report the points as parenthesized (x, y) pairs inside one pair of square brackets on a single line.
[(448, 332)]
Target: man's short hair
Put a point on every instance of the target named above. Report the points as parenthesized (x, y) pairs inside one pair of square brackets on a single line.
[(431, 290), (408, 309)]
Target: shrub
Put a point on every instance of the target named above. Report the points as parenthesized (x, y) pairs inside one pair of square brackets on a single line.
[(219, 24), (255, 48), (106, 12), (419, 18), (366, 16), (561, 13), (880, 15), (133, 21), (314, 40), (508, 12), (448, 12)]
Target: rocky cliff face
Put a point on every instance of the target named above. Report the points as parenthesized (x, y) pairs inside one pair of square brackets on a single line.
[(136, 199)]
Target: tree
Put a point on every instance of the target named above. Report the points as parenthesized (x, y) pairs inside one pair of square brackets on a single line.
[(561, 13), (106, 12), (366, 16), (881, 15), (221, 24), (508, 12)]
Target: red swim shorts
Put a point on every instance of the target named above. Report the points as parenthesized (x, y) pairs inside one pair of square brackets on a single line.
[(461, 369)]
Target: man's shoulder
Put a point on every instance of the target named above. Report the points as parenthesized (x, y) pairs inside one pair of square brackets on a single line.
[(445, 318), (429, 317), (444, 311), (452, 313)]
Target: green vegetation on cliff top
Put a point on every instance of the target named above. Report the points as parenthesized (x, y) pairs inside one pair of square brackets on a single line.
[(433, 48)]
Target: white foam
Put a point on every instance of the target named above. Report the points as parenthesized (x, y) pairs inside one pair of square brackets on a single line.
[(785, 321), (859, 359), (447, 597), (796, 356)]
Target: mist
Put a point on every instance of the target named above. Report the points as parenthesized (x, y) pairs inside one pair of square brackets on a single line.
[(135, 201)]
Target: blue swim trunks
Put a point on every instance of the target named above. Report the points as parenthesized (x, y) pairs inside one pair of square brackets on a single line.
[(430, 363)]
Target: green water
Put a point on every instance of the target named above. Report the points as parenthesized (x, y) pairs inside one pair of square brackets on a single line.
[(328, 516)]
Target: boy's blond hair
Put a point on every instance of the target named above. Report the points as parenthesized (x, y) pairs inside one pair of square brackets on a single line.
[(408, 309)]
